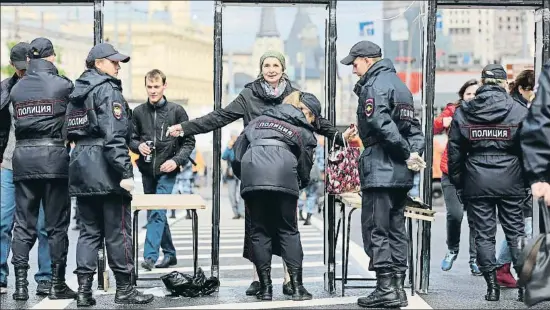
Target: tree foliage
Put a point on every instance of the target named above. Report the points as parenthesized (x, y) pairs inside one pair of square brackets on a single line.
[(9, 70)]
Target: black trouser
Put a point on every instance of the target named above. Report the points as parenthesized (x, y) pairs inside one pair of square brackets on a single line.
[(383, 227), (54, 193), (273, 216), (455, 214), (483, 213), (108, 216)]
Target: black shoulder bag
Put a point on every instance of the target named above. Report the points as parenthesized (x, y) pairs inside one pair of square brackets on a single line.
[(535, 274)]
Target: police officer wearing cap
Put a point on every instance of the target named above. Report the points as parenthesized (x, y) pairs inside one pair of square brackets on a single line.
[(273, 160), (40, 167), (393, 142), (101, 174), (485, 165)]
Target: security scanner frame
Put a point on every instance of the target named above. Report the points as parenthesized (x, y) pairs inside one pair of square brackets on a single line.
[(419, 270)]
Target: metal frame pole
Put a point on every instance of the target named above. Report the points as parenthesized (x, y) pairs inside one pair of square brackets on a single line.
[(428, 97), (329, 214), (98, 21), (216, 152)]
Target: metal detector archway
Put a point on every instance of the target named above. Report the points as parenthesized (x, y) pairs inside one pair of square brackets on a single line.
[(102, 280), (542, 46), (330, 95)]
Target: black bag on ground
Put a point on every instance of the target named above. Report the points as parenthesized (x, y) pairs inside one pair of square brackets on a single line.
[(535, 258), (186, 285)]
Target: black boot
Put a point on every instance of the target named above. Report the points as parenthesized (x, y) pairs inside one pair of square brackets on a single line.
[(301, 216), (266, 287), (308, 219), (399, 283), (21, 284), (188, 215), (299, 292), (59, 289), (84, 297), (384, 296), (493, 289), (126, 293), (521, 290)]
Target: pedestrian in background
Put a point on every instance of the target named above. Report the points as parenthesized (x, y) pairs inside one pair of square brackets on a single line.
[(159, 160), (43, 277), (455, 208), (233, 184)]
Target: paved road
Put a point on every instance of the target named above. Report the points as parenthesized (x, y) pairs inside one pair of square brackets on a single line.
[(455, 289)]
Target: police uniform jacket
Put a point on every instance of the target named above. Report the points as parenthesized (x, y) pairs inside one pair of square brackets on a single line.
[(275, 152), (387, 128), (483, 148), (535, 133), (149, 124), (5, 115), (99, 122), (39, 103)]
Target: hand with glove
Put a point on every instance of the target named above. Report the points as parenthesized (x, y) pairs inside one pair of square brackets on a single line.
[(127, 184), (415, 162)]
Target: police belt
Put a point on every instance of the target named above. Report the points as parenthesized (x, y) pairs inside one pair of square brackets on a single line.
[(40, 142), (490, 153), (370, 141), (90, 141), (272, 142)]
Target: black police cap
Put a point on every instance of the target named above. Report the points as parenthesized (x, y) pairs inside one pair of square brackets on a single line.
[(106, 50), (494, 71), (41, 48), (362, 49), (18, 55)]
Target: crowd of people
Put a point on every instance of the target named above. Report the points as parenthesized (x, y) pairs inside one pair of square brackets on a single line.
[(496, 153)]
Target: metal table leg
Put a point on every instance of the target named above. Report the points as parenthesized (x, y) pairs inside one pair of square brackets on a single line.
[(135, 246), (411, 255), (343, 219), (347, 244), (195, 228)]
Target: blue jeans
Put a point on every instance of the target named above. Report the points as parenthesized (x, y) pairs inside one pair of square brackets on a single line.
[(311, 198), (235, 199), (415, 191), (7, 210), (158, 232), (504, 255)]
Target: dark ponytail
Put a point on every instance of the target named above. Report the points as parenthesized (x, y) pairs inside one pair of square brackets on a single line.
[(526, 79)]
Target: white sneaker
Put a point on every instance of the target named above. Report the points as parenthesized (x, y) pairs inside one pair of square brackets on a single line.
[(3, 290)]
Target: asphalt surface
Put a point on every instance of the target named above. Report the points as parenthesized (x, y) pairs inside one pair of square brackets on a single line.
[(454, 289)]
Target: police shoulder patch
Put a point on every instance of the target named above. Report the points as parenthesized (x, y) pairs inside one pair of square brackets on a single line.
[(277, 126), (369, 107), (405, 111), (117, 110)]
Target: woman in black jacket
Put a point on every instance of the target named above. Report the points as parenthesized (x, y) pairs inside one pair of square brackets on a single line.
[(267, 91), (273, 159)]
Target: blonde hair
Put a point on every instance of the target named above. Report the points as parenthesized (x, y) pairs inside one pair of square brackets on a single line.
[(491, 81), (293, 99)]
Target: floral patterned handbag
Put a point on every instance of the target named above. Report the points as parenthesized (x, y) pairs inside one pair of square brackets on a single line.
[(342, 169)]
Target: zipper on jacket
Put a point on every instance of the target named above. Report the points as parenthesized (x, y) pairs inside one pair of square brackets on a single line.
[(155, 142), (161, 131)]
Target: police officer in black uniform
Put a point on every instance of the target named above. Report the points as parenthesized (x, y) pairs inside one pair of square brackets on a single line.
[(393, 142), (273, 160), (40, 167), (101, 174), (486, 168), (535, 140)]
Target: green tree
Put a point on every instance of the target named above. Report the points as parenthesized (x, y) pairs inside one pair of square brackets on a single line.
[(9, 70)]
